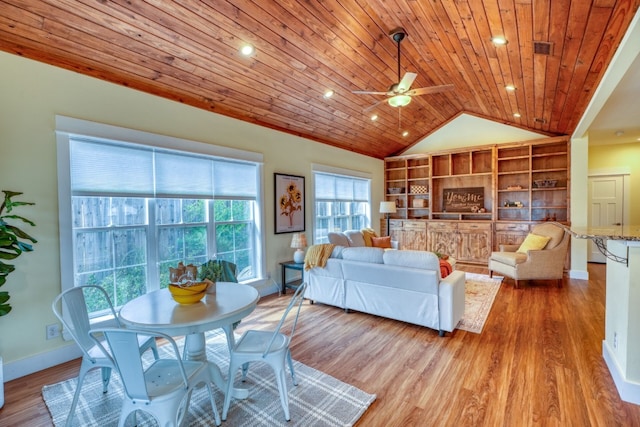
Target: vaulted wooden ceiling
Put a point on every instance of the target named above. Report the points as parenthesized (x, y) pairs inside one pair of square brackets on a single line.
[(188, 51)]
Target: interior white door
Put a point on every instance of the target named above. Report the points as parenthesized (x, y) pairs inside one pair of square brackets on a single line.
[(606, 203)]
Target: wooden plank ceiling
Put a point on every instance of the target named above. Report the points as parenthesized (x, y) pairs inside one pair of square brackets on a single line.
[(188, 51)]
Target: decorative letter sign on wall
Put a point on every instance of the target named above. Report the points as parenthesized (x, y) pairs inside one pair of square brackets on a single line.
[(463, 199)]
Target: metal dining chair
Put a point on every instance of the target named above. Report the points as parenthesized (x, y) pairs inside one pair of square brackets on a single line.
[(73, 302), (271, 347), (162, 389)]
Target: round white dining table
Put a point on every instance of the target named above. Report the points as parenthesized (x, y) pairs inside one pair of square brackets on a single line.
[(158, 311)]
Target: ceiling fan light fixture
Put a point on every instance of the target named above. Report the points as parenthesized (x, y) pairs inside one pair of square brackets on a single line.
[(399, 100)]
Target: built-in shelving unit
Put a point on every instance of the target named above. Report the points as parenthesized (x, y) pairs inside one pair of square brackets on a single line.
[(511, 186)]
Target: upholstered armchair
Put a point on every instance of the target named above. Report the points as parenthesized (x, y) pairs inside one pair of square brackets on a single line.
[(541, 256)]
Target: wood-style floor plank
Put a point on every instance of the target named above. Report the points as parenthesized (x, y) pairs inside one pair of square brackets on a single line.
[(537, 362)]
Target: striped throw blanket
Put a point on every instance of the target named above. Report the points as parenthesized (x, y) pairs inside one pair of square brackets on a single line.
[(317, 255)]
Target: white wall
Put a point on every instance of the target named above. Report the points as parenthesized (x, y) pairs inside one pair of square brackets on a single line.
[(31, 95)]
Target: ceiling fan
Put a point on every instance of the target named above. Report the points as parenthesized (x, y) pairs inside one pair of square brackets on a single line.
[(399, 94)]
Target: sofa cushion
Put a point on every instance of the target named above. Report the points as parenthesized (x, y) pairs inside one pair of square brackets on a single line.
[(381, 242), (337, 252), (363, 254), (414, 259), (355, 238), (338, 238), (533, 242), (509, 258)]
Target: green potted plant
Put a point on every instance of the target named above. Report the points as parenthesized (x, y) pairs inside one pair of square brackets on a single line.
[(211, 272), (13, 242)]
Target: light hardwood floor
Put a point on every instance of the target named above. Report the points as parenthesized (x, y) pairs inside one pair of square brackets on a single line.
[(538, 362)]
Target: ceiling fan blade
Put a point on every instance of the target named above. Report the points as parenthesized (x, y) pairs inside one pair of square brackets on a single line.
[(406, 82), (371, 107), (431, 89), (368, 92)]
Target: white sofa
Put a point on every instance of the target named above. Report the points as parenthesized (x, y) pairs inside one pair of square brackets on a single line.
[(401, 285)]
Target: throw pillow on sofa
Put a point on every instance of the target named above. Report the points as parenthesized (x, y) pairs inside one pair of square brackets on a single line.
[(368, 234), (381, 242)]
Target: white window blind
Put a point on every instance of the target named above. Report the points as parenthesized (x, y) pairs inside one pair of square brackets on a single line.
[(340, 188), (114, 169)]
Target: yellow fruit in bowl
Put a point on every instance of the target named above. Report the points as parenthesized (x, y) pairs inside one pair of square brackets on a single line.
[(188, 294)]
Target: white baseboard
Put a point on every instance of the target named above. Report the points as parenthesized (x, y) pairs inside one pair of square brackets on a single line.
[(579, 274), (29, 365), (628, 391)]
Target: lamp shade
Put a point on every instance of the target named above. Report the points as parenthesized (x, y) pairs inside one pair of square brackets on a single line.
[(399, 100), (387, 207), (299, 241)]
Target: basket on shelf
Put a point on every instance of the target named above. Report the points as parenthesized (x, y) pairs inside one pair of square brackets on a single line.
[(545, 183)]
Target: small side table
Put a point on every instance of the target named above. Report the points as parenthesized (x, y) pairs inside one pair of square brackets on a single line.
[(290, 265)]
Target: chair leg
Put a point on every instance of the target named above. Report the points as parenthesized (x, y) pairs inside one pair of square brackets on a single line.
[(216, 415), (106, 376), (227, 395), (490, 273), (282, 387), (517, 285), (84, 368), (293, 373)]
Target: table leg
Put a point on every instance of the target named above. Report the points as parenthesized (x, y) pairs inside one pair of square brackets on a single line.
[(284, 279), (195, 349)]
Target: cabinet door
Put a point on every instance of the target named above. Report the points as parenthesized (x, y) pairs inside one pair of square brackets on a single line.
[(475, 242), (510, 234), (442, 237), (395, 231), (414, 235)]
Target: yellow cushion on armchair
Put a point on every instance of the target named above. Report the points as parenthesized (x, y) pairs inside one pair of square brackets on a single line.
[(533, 242)]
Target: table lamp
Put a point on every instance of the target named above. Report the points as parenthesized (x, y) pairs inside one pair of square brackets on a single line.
[(299, 242), (387, 208)]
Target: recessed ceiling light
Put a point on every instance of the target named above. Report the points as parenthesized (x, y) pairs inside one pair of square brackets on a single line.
[(516, 115), (374, 117), (498, 40), (328, 94), (510, 88), (405, 133), (247, 50)]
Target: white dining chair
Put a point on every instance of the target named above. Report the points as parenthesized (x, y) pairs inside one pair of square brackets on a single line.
[(73, 302), (163, 388), (271, 347)]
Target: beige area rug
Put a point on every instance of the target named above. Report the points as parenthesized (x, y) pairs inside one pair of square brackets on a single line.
[(480, 292), (317, 400)]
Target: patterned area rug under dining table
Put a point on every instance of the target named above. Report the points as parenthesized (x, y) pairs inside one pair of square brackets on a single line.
[(480, 292), (317, 400)]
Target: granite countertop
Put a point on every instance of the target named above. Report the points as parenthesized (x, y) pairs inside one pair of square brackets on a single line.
[(628, 232)]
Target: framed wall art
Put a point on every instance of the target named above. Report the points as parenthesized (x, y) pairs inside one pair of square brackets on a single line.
[(289, 203)]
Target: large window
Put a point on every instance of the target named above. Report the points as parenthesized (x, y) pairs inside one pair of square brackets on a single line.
[(342, 202), (137, 209)]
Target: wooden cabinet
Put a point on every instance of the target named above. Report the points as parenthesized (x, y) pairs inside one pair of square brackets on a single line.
[(409, 234), (509, 233), (475, 242), (465, 241)]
